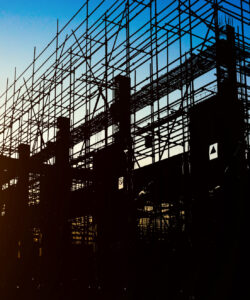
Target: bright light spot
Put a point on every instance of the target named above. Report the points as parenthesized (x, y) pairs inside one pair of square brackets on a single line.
[(120, 183)]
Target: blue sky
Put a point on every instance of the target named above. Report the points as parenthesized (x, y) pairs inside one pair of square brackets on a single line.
[(25, 24), (28, 23)]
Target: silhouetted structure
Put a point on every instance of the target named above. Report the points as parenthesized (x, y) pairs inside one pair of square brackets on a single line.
[(124, 163)]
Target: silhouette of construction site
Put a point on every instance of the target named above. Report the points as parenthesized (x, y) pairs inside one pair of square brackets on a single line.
[(124, 156)]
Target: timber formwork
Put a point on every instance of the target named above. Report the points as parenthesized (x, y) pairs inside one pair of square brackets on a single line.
[(124, 163)]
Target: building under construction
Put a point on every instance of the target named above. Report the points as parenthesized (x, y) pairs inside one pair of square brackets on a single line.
[(124, 156)]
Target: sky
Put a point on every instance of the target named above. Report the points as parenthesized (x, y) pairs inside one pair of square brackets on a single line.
[(28, 23), (25, 24)]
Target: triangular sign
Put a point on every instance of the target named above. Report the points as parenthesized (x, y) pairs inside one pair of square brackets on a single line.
[(213, 150)]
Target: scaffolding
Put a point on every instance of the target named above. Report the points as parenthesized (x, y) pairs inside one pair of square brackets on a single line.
[(121, 82)]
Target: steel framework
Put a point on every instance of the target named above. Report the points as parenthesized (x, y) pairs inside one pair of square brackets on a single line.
[(167, 57)]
